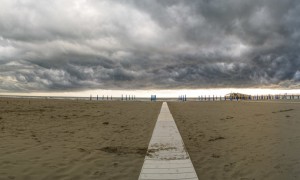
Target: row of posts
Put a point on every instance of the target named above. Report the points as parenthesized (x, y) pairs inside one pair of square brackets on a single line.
[(127, 97), (101, 98), (257, 97), (182, 98), (207, 98), (123, 98)]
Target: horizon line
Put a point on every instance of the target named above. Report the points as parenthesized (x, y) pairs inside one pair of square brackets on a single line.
[(167, 93)]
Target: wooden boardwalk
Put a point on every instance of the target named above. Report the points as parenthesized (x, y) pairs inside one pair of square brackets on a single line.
[(167, 157)]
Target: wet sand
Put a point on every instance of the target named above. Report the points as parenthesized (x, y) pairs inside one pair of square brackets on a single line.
[(241, 140), (69, 139)]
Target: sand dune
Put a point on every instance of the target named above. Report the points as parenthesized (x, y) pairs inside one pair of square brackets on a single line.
[(69, 139), (240, 140)]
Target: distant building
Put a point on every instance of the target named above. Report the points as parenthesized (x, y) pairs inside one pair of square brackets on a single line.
[(237, 96)]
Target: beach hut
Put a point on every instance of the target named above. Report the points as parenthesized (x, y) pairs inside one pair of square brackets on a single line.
[(237, 96)]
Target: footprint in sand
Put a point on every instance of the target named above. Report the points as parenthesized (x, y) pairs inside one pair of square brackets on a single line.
[(229, 167), (226, 118), (115, 164), (11, 177), (216, 138), (215, 156), (285, 110), (81, 150)]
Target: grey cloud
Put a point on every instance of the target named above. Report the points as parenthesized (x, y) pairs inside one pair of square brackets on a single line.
[(76, 45)]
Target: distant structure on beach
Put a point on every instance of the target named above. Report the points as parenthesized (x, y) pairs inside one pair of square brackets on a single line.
[(237, 96)]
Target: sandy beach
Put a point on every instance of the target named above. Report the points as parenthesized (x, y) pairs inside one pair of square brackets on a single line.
[(241, 140), (69, 139)]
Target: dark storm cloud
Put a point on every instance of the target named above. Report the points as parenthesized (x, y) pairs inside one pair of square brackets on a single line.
[(89, 44)]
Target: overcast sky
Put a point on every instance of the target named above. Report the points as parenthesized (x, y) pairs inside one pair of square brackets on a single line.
[(76, 45)]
